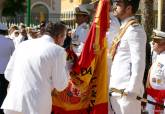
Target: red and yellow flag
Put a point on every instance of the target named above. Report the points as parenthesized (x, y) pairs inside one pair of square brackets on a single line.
[(87, 92)]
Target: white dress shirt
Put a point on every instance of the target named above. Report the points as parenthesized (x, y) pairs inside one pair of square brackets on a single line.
[(157, 74), (37, 66)]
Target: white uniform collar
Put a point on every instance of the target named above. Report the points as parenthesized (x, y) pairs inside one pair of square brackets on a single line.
[(163, 52), (83, 24), (47, 38), (124, 22)]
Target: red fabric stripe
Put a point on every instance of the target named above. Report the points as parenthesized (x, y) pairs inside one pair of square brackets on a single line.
[(158, 95), (87, 54), (97, 109)]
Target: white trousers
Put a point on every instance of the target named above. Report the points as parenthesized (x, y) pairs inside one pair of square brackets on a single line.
[(125, 105), (11, 112)]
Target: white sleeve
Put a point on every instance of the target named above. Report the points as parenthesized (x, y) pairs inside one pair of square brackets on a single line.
[(60, 75), (137, 45), (83, 35), (10, 67)]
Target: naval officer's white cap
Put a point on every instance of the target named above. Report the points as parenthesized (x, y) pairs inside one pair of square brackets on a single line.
[(81, 10), (157, 34)]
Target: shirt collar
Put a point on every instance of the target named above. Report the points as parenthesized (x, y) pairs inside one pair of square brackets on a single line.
[(124, 22), (163, 52), (48, 38), (82, 24)]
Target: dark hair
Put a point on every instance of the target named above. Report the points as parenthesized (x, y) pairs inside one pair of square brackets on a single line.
[(55, 29), (69, 29), (3, 32), (42, 24), (133, 3), (22, 26)]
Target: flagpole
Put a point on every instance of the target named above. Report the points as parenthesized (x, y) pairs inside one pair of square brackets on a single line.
[(28, 13), (160, 5)]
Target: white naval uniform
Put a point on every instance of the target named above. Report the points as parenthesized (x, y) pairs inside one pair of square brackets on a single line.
[(157, 72), (79, 37), (36, 67), (127, 69)]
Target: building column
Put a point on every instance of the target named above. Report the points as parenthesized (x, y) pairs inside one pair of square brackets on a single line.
[(160, 7), (163, 16)]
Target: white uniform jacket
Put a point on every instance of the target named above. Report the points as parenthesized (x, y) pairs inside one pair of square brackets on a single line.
[(79, 37), (157, 73), (157, 80), (129, 62), (81, 32), (35, 68)]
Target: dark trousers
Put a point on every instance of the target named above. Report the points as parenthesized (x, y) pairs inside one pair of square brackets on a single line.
[(3, 90)]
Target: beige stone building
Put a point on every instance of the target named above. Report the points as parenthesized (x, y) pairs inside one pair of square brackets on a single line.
[(53, 10), (47, 10), (69, 5)]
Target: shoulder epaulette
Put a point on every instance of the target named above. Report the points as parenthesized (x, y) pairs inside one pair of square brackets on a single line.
[(135, 24)]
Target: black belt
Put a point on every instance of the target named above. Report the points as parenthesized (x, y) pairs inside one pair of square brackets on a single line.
[(121, 91)]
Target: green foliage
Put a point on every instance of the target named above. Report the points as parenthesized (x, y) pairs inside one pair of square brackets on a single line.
[(13, 7)]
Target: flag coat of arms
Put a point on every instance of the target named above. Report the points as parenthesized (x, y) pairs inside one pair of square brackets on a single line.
[(87, 92)]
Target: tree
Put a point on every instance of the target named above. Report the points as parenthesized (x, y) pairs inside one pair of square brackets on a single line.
[(148, 23), (1, 5), (13, 7), (163, 17), (147, 16)]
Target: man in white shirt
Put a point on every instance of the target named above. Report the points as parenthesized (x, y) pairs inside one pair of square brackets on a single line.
[(128, 57), (36, 67), (6, 50)]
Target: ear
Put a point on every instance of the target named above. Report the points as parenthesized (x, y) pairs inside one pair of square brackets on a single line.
[(129, 9), (56, 39)]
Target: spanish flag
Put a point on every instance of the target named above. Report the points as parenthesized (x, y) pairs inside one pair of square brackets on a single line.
[(87, 92)]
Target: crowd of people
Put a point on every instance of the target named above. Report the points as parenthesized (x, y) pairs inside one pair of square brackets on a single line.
[(33, 62)]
